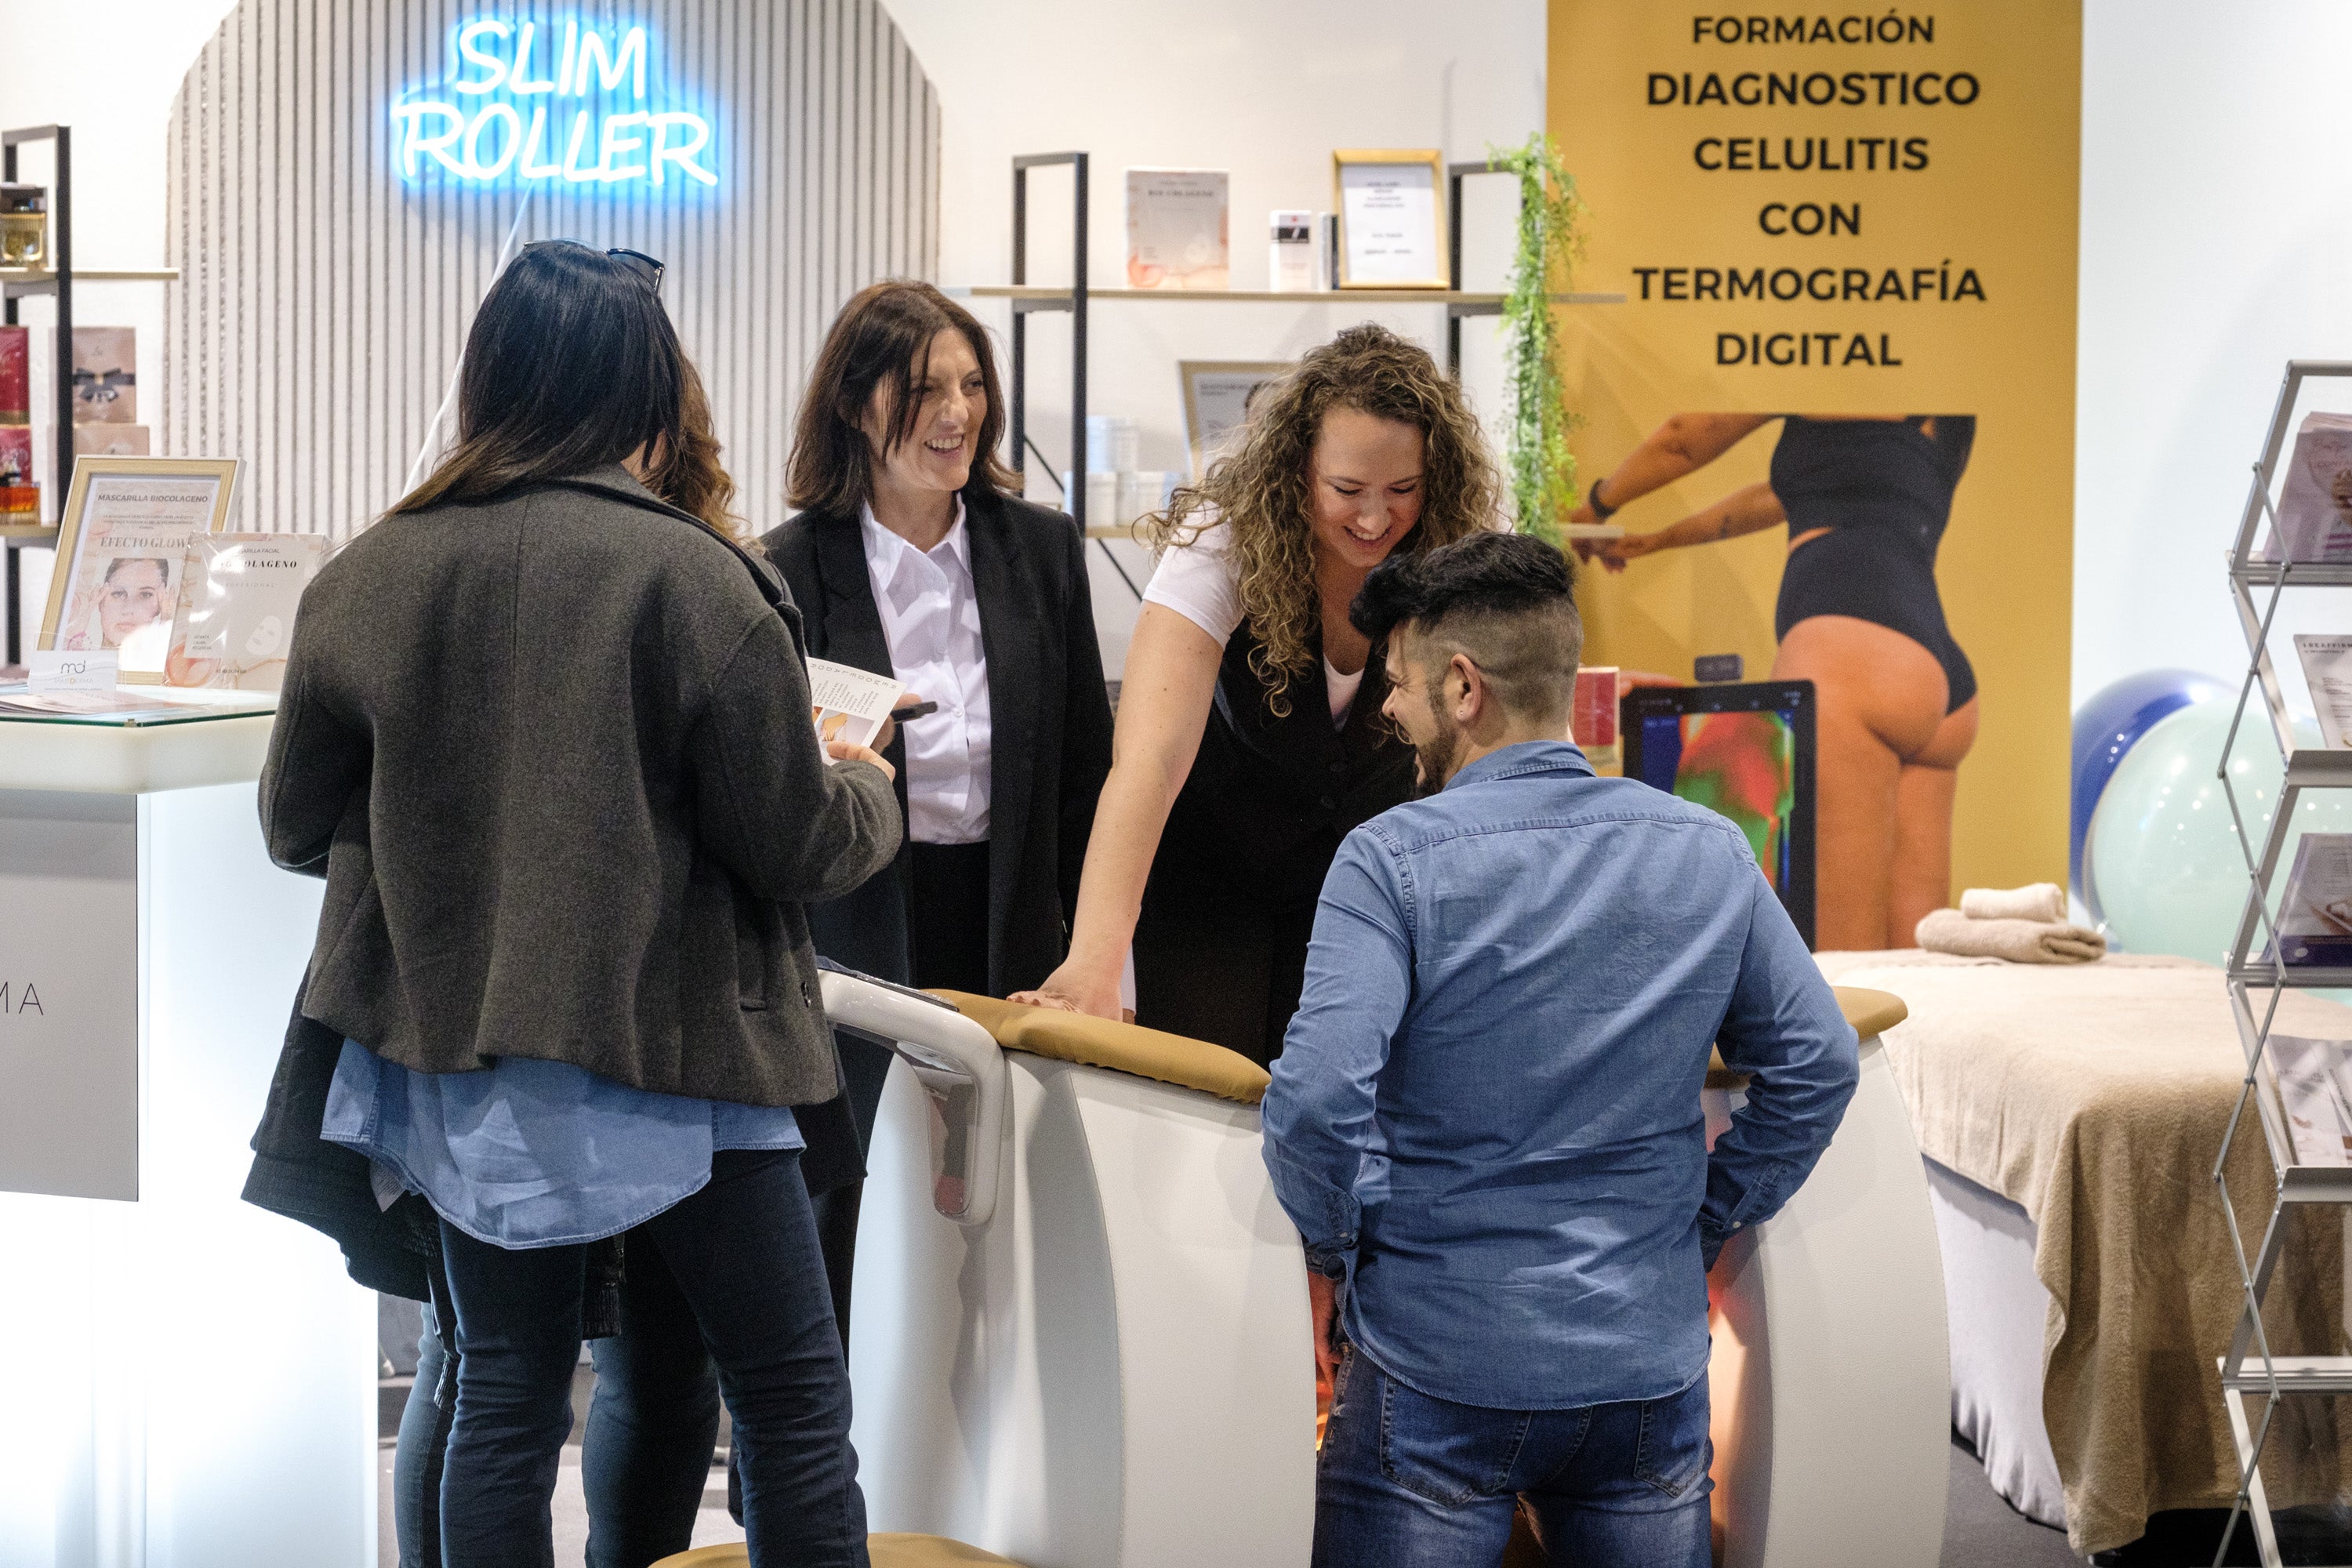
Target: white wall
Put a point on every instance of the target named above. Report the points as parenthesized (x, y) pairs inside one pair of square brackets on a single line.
[(1265, 92), (2217, 244), (2217, 216), (110, 72)]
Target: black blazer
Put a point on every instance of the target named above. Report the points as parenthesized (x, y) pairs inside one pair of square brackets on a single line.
[(1049, 716)]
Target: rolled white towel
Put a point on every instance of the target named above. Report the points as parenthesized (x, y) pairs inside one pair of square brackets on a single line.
[(2019, 941), (2045, 901)]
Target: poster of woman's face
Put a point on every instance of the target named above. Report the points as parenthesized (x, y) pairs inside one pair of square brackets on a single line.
[(134, 592), (124, 546)]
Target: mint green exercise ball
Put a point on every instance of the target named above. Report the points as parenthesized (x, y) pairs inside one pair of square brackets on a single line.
[(2165, 860)]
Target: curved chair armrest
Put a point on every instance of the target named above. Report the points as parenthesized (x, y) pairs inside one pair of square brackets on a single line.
[(1123, 1048), (1870, 1013), (959, 1066)]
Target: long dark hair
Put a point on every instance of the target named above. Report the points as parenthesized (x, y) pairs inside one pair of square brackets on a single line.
[(884, 335), (571, 365)]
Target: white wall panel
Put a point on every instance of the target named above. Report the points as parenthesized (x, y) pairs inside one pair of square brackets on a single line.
[(323, 301)]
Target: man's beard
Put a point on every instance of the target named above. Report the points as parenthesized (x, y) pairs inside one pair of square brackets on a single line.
[(1433, 760)]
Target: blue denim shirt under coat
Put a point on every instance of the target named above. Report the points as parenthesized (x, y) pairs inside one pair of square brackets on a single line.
[(537, 1153), (1488, 1103)]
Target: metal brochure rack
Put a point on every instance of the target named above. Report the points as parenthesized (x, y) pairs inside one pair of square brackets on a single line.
[(2258, 978)]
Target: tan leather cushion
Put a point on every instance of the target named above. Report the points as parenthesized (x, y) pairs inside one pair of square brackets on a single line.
[(1123, 1048), (1196, 1064), (1869, 1012), (926, 1551), (887, 1551)]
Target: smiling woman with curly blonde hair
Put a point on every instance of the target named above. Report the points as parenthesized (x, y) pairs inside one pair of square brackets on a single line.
[(1250, 740)]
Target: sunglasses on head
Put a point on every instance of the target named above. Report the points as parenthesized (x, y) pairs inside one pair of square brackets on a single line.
[(635, 262)]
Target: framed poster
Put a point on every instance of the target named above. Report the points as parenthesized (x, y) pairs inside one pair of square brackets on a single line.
[(1391, 207), (1217, 397), (122, 545)]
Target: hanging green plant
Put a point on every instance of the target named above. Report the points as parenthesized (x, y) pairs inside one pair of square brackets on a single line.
[(1550, 242)]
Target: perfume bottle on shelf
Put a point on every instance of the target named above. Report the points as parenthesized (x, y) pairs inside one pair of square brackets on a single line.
[(24, 226)]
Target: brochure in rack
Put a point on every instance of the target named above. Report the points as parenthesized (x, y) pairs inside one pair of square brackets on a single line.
[(2314, 913), (2328, 670), (851, 704), (2315, 506), (2315, 1085)]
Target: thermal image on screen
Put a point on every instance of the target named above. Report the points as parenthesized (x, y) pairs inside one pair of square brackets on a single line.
[(1743, 765)]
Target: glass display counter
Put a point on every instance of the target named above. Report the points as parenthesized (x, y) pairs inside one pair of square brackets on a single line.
[(185, 1380)]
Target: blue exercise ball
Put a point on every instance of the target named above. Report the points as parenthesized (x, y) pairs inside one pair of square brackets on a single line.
[(2163, 866), (2108, 725)]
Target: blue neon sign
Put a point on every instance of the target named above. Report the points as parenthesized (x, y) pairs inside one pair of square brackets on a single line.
[(499, 118)]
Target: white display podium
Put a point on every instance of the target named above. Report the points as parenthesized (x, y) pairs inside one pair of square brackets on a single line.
[(185, 1381)]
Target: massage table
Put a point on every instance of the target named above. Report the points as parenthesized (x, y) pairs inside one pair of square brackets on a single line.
[(1081, 1338), (2069, 1117)]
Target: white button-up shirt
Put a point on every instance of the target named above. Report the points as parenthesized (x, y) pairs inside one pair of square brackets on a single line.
[(930, 617)]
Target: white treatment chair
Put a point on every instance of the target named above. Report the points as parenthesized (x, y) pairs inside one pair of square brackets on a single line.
[(1830, 1380), (1080, 1336)]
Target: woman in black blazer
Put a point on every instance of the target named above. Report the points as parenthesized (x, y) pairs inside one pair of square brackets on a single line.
[(913, 557)]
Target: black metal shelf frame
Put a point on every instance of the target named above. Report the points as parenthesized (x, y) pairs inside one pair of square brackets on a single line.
[(60, 284), (1074, 302)]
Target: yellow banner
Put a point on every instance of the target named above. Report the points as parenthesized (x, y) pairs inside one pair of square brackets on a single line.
[(1834, 214)]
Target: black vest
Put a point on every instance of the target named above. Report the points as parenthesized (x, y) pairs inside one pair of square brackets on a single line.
[(1269, 797)]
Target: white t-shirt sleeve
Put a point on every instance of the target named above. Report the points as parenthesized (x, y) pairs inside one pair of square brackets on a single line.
[(1199, 581)]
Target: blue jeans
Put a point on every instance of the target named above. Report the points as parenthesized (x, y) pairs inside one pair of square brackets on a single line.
[(1406, 1479), (416, 1462), (645, 1456), (744, 1255)]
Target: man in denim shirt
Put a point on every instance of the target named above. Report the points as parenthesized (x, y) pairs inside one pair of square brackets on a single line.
[(1486, 1119)]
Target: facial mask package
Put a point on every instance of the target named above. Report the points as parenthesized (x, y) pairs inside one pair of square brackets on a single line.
[(236, 618)]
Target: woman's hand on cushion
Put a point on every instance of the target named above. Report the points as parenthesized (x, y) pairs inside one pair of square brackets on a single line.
[(1074, 991)]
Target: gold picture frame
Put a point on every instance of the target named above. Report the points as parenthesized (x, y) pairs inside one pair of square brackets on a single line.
[(146, 509), (1213, 388), (1408, 253)]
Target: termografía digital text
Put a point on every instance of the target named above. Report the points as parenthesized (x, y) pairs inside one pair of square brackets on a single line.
[(560, 101), (1807, 149)]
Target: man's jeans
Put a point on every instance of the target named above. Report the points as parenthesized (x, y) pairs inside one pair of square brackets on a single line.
[(1406, 1479)]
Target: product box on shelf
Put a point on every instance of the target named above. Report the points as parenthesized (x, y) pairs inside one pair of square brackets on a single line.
[(15, 375), (1594, 724), (110, 440), (105, 375), (1176, 229), (1294, 260)]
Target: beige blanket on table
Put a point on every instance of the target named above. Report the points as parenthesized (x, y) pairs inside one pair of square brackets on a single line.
[(2095, 1096)]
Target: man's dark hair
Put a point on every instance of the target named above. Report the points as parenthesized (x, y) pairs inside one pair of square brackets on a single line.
[(1505, 601)]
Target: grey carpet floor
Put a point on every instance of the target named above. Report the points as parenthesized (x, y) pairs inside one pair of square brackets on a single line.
[(1980, 1531), (712, 1526)]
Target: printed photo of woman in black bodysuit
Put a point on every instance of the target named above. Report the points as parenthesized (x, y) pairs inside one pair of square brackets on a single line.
[(1866, 498)]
